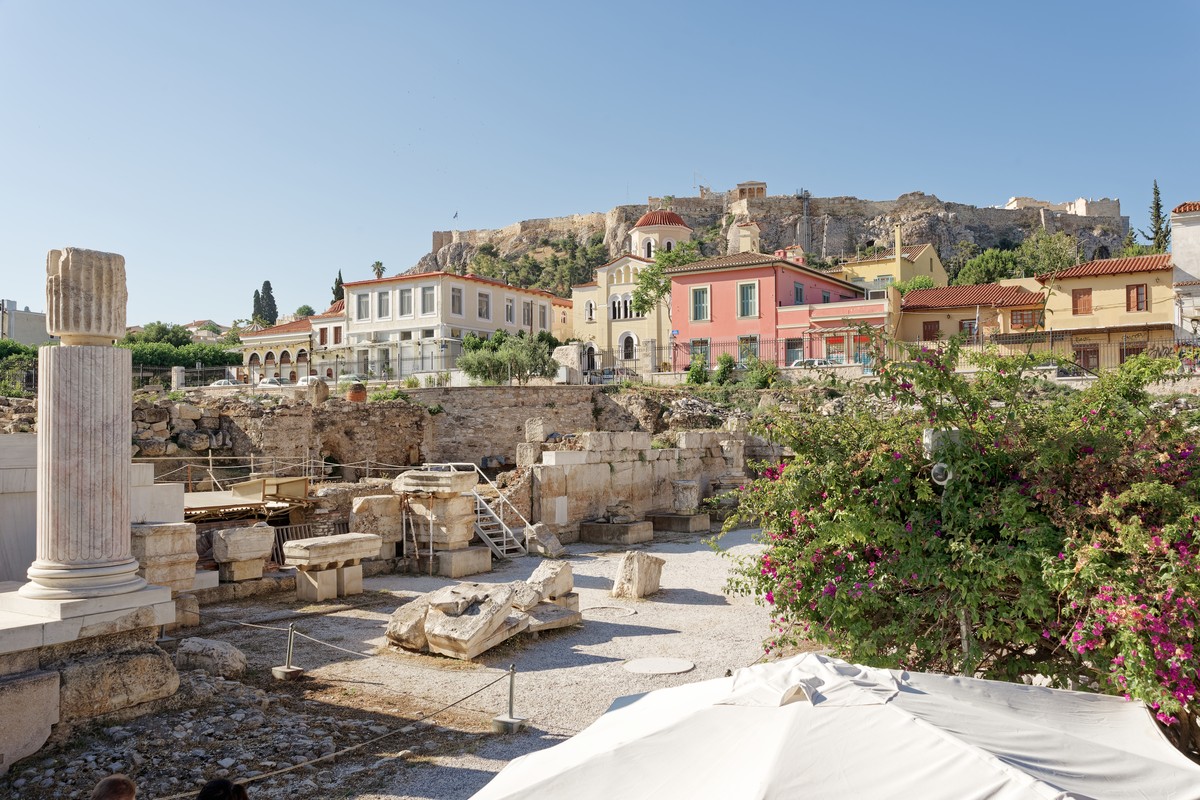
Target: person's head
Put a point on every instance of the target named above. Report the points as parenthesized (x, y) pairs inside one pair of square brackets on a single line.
[(221, 789), (115, 787)]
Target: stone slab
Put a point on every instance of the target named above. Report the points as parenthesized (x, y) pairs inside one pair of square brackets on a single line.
[(316, 586), (349, 580), (434, 482), (638, 575), (206, 579), (141, 475), (243, 544), (619, 533), (467, 561), (562, 458), (162, 502), (84, 607), (513, 624), (326, 552), (548, 616), (30, 703), (680, 523), (235, 571)]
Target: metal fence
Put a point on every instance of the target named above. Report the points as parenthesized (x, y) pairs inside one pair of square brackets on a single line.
[(848, 348)]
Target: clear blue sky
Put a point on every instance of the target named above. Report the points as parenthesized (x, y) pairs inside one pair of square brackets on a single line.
[(220, 144)]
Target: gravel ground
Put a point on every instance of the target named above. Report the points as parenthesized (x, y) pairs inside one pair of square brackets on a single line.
[(376, 703)]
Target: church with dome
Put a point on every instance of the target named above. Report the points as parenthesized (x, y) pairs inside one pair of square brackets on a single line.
[(613, 335)]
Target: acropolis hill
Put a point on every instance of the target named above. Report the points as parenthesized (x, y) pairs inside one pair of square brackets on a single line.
[(824, 226)]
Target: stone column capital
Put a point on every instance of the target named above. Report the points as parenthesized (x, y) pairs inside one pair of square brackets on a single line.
[(85, 296)]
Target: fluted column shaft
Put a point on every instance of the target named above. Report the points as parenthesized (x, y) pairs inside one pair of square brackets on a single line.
[(84, 429)]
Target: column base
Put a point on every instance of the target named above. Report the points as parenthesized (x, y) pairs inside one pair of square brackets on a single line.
[(51, 581)]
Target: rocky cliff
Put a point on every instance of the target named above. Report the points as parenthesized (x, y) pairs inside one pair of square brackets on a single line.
[(828, 227)]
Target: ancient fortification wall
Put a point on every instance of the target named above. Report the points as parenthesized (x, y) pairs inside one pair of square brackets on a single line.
[(827, 226)]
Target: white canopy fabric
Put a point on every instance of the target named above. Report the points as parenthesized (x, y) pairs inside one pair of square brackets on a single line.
[(816, 727)]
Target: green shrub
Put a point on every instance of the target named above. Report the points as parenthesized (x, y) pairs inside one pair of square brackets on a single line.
[(1063, 544), (759, 374), (411, 382), (386, 396), (697, 374), (724, 374)]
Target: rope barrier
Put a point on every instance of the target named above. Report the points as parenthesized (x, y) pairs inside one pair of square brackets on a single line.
[(243, 624), (334, 646)]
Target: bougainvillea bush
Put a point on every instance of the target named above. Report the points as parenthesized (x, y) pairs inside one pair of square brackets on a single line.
[(1063, 545)]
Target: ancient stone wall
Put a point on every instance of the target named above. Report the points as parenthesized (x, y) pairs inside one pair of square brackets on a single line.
[(481, 421), (579, 479), (834, 226)]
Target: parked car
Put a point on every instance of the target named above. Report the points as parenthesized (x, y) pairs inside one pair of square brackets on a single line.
[(226, 382), (309, 380), (274, 383), (613, 375), (814, 362)]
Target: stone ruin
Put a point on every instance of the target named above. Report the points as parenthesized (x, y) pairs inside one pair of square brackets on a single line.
[(467, 619)]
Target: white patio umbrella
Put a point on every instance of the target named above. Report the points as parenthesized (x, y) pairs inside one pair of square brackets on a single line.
[(817, 727)]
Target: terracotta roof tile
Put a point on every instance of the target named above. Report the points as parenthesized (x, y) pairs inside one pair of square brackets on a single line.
[(984, 294), (724, 262), (735, 260), (338, 309), (660, 218), (1113, 266), (1186, 208), (909, 251), (295, 326)]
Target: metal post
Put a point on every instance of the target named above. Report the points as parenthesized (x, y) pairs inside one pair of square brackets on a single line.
[(509, 723), (512, 680), (287, 672)]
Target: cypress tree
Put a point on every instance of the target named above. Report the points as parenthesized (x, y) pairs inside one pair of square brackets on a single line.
[(1160, 227), (338, 291), (257, 314), (269, 312)]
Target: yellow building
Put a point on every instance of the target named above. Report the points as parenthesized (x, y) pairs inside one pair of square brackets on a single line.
[(613, 335), (1099, 313), (1114, 308), (987, 312), (901, 263)]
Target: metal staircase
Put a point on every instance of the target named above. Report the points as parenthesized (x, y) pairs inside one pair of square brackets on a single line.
[(498, 523)]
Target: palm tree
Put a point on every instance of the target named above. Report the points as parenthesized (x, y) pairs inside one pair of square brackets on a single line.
[(378, 268)]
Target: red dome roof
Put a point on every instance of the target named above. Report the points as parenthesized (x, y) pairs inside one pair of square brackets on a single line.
[(661, 218)]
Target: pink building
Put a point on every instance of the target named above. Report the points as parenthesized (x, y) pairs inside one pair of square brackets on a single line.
[(752, 304)]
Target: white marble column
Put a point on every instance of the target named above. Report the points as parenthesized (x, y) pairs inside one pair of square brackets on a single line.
[(84, 428)]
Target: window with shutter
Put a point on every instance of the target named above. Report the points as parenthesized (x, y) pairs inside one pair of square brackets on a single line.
[(1135, 297), (1081, 301)]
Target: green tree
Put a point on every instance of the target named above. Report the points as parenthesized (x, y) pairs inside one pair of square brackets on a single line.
[(915, 282), (305, 311), (338, 291), (653, 283), (257, 313), (377, 268), (269, 312), (211, 327), (988, 267), (1045, 253), (503, 358), (174, 335), (1160, 227), (964, 251), (1130, 247)]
